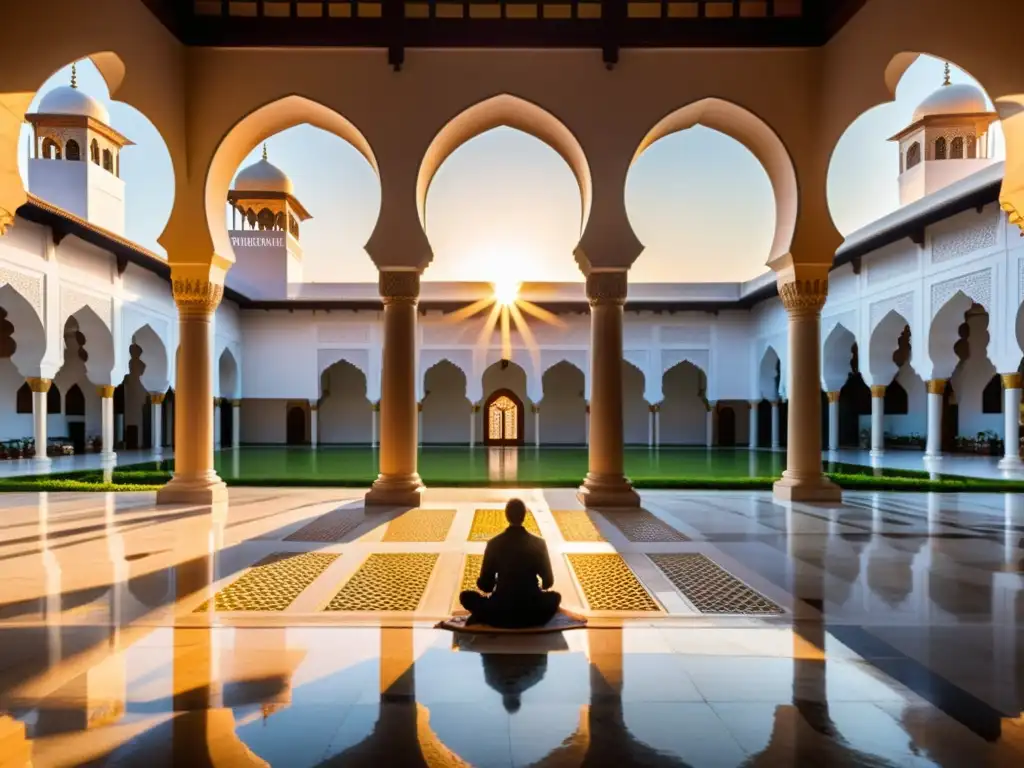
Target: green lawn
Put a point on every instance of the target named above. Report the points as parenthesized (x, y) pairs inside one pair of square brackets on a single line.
[(464, 467)]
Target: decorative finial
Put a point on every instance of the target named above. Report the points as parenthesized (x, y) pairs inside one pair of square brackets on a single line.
[(264, 150), (945, 80), (74, 75)]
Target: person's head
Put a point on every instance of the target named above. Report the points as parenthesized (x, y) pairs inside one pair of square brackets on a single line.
[(515, 512)]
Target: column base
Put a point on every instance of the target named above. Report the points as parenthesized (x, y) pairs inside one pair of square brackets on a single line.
[(108, 457), (813, 488), (876, 453), (607, 491), (395, 491), (206, 490), (933, 457), (42, 463), (1011, 464)]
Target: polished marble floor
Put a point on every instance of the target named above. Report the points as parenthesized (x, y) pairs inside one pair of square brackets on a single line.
[(896, 635)]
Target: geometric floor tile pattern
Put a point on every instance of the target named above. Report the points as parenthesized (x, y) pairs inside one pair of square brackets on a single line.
[(488, 523), (420, 525), (470, 572), (332, 527), (609, 584), (576, 525), (712, 589), (272, 584), (641, 526), (386, 582)]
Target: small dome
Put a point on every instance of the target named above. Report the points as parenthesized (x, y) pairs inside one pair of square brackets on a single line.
[(959, 99), (68, 100), (263, 176)]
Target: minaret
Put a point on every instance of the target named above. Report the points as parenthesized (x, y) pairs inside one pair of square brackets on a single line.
[(946, 141), (76, 157), (265, 219)]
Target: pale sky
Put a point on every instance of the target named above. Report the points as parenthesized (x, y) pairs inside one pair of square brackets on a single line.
[(507, 198)]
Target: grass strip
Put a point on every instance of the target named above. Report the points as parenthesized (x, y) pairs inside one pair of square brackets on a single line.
[(151, 480)]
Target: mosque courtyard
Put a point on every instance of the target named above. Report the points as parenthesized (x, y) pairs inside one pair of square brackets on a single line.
[(296, 627)]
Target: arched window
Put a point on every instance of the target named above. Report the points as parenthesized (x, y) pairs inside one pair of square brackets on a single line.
[(972, 148), (74, 402), (117, 165), (266, 219), (51, 149), (956, 148), (896, 400), (53, 399), (992, 396), (913, 155), (94, 151), (72, 151), (108, 161), (940, 148), (279, 222), (24, 404)]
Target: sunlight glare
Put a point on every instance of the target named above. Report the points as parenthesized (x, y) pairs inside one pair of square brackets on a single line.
[(506, 292)]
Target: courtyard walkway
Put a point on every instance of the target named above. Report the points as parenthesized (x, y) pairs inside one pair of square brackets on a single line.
[(295, 628)]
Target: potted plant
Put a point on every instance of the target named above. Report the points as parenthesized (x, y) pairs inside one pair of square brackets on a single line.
[(14, 449), (30, 447)]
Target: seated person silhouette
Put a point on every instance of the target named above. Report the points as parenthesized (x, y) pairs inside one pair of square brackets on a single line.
[(516, 575)]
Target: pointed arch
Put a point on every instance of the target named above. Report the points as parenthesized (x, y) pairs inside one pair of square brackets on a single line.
[(155, 377), (837, 353), (882, 345), (345, 411), (255, 127), (29, 335), (944, 333), (756, 135), (769, 374), (512, 112), (446, 406), (99, 345), (228, 370)]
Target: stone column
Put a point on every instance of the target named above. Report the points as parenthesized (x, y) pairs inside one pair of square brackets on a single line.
[(877, 419), (1011, 422), (753, 439), (399, 483), (39, 389), (709, 425), (236, 424), (833, 421), (313, 422), (419, 423), (474, 414), (195, 480), (936, 389), (156, 402), (657, 425), (606, 484), (650, 425), (106, 393), (118, 431), (586, 422), (374, 419), (170, 418), (536, 425), (216, 423), (775, 424), (803, 298)]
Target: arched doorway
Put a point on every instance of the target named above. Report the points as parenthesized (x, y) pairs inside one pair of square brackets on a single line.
[(227, 424), (295, 429), (503, 419), (727, 427)]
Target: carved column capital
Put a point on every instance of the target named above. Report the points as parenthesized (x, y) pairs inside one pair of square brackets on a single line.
[(476, 407), (39, 385), (804, 296), (236, 403), (196, 296), (6, 221), (607, 288), (833, 397), (105, 390), (1012, 214), (535, 408), (878, 390), (157, 398), (376, 406), (936, 386), (654, 408), (1012, 380), (399, 286)]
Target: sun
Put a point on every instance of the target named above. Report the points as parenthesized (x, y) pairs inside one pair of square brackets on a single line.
[(506, 292)]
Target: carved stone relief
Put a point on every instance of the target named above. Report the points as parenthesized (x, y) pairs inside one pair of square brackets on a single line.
[(965, 240), (977, 286)]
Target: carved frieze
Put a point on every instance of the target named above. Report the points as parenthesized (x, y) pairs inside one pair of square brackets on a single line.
[(196, 294), (607, 288), (965, 240), (903, 304), (30, 287), (977, 286)]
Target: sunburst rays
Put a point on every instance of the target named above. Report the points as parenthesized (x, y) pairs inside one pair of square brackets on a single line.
[(508, 310)]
